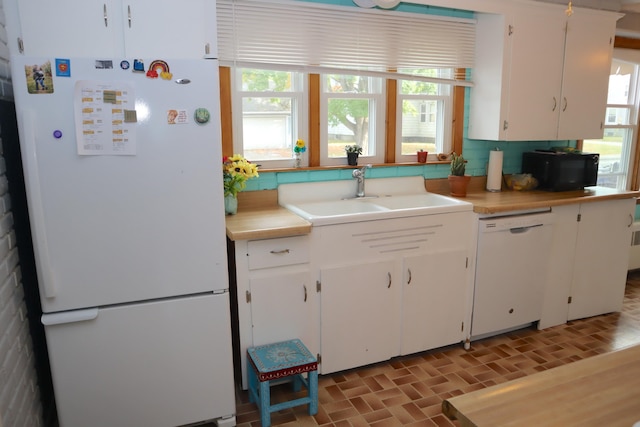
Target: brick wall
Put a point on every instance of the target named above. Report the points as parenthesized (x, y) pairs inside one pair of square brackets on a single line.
[(19, 395)]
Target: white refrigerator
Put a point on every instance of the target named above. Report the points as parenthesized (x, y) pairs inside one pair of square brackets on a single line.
[(122, 162)]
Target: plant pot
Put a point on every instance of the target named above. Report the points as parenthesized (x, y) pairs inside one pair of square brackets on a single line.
[(230, 205), (422, 156), (458, 185), (352, 159)]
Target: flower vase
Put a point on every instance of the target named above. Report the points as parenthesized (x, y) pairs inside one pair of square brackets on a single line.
[(297, 160), (230, 204)]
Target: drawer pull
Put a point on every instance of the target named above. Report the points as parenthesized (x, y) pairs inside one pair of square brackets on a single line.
[(280, 252), (389, 276), (409, 281), (305, 292)]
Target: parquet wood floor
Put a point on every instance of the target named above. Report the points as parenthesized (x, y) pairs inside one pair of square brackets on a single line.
[(408, 391)]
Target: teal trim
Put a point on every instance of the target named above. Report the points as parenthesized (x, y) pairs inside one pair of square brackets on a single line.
[(408, 7)]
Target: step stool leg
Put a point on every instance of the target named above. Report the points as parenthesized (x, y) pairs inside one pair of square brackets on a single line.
[(252, 380), (297, 383), (313, 392), (265, 403)]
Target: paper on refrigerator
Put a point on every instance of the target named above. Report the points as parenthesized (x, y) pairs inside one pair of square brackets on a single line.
[(105, 118)]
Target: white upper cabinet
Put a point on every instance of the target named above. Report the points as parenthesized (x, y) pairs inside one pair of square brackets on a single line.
[(113, 28), (541, 75)]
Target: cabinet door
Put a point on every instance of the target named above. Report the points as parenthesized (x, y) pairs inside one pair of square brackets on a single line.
[(169, 29), (282, 308), (359, 315), (588, 51), (535, 73), (70, 27), (433, 300), (602, 256)]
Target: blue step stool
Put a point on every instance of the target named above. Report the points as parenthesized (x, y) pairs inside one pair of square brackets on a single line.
[(286, 360)]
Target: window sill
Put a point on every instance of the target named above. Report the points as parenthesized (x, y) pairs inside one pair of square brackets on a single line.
[(375, 165)]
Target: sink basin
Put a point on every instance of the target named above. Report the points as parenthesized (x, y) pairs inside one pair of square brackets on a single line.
[(418, 201), (333, 203), (337, 207)]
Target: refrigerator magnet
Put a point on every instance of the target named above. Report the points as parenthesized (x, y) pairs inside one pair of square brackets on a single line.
[(63, 67), (177, 117), (201, 116), (38, 77)]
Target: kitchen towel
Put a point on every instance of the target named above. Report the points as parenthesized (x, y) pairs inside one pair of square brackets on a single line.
[(494, 170)]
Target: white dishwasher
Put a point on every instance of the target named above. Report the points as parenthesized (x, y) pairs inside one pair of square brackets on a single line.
[(511, 270)]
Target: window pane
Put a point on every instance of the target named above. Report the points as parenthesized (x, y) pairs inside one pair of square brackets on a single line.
[(267, 128), (611, 168), (618, 115), (349, 124), (340, 83), (419, 126), (266, 80)]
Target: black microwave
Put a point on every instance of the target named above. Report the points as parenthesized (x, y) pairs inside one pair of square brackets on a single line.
[(560, 171)]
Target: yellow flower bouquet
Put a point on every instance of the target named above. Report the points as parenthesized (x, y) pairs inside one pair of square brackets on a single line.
[(236, 170)]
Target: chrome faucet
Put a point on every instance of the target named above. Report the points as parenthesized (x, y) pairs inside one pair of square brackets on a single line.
[(359, 175)]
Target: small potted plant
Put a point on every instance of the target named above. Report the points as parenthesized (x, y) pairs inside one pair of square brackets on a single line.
[(458, 181), (353, 151), (422, 156)]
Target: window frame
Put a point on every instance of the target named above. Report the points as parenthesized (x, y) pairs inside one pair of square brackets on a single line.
[(299, 117), (377, 111), (314, 125)]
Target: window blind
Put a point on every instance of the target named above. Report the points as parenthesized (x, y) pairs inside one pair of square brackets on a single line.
[(303, 34)]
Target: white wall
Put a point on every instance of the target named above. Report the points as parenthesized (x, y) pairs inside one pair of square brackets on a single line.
[(19, 396)]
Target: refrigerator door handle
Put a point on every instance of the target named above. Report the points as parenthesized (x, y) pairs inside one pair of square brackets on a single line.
[(69, 316), (36, 213)]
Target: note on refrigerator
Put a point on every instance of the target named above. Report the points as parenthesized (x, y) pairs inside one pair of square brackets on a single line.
[(103, 114)]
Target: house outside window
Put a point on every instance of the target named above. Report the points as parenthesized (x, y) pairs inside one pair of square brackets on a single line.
[(270, 114), (424, 109), (620, 128)]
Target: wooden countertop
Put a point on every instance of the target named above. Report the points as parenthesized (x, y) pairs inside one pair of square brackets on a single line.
[(485, 202), (265, 223), (602, 390), (260, 217)]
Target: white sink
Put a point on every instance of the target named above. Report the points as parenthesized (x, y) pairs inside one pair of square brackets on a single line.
[(334, 202)]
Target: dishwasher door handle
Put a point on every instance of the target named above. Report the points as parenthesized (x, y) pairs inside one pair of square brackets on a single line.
[(520, 230)]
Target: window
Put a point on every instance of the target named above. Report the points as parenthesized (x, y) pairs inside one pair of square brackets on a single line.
[(352, 109), (424, 115), (615, 147), (270, 115), (353, 50)]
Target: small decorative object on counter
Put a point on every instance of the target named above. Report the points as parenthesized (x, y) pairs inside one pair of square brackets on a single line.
[(422, 156), (353, 151), (521, 182), (236, 170), (298, 149), (458, 181)]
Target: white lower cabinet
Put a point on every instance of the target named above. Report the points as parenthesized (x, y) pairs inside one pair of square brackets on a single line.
[(277, 300), (602, 256), (392, 287), (433, 309), (358, 314), (588, 260)]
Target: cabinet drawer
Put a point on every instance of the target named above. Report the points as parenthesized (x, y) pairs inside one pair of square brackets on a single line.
[(278, 252)]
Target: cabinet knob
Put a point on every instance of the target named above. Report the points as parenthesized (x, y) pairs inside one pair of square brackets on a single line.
[(511, 311)]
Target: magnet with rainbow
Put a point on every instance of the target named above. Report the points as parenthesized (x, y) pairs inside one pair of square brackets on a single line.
[(159, 68)]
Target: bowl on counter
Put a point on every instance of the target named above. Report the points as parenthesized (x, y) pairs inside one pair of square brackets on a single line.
[(521, 182)]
